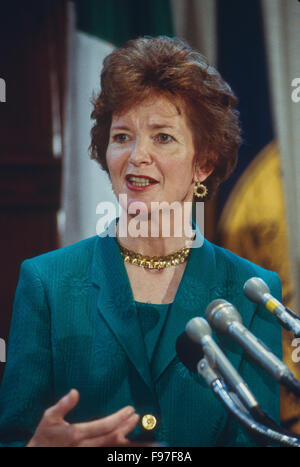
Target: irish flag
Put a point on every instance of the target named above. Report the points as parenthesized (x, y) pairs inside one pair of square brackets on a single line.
[(96, 27)]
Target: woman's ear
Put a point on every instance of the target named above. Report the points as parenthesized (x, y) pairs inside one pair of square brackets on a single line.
[(201, 173)]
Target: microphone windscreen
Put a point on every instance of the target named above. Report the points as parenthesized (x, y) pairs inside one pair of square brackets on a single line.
[(189, 352), (212, 307), (255, 288)]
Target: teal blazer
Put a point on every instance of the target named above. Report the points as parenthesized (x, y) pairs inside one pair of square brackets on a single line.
[(74, 325)]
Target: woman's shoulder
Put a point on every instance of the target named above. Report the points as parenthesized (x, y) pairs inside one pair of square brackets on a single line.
[(238, 269), (75, 256)]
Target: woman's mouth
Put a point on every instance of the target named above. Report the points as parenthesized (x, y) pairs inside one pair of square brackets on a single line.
[(139, 183)]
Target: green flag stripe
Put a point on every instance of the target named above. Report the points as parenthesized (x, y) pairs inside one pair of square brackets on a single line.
[(117, 21)]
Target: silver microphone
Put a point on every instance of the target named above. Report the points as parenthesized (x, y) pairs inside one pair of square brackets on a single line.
[(257, 291), (199, 331), (224, 318), (198, 352)]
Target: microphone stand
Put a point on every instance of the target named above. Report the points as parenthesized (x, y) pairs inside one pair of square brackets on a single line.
[(239, 411), (292, 313)]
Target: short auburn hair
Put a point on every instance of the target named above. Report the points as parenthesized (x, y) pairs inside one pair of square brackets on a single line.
[(169, 66)]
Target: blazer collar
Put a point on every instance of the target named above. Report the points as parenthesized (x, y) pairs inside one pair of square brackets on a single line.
[(117, 307)]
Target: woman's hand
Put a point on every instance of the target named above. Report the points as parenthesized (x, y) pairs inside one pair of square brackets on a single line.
[(54, 431)]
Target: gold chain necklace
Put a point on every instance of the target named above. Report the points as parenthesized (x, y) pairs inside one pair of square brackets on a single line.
[(154, 262)]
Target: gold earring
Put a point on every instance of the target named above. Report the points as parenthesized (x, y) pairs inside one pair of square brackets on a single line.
[(200, 190)]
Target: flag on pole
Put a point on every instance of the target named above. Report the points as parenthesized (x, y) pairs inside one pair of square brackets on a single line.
[(96, 28)]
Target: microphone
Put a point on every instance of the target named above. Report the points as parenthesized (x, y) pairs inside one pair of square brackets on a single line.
[(199, 332), (189, 352), (257, 291), (224, 317), (192, 356)]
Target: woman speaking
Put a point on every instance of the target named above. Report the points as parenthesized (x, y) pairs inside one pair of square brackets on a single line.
[(95, 324)]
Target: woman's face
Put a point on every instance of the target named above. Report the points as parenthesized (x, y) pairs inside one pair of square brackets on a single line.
[(150, 154)]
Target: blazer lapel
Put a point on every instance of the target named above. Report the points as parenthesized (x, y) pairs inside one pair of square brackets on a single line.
[(192, 297), (116, 303), (201, 283)]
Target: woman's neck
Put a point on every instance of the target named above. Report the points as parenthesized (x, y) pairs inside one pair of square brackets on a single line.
[(150, 239)]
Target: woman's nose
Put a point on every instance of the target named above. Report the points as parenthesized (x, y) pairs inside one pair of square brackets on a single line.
[(140, 153)]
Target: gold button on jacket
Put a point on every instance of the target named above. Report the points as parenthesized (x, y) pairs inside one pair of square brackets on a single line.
[(149, 422)]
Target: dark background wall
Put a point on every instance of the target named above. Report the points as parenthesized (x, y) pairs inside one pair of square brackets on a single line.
[(32, 58)]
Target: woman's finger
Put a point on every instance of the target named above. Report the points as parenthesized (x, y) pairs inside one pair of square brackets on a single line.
[(128, 425), (62, 407), (116, 437), (105, 425)]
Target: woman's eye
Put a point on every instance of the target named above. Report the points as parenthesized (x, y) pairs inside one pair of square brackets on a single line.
[(164, 138), (120, 138)]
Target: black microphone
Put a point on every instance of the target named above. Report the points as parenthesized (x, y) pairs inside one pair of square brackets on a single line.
[(257, 291), (192, 356), (224, 317), (189, 352)]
